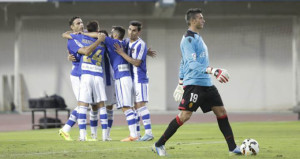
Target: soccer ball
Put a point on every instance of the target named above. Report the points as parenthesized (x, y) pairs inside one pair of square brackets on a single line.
[(249, 147)]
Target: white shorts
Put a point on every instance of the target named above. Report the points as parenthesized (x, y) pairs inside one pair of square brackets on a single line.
[(140, 92), (123, 87), (92, 89), (75, 81), (110, 93)]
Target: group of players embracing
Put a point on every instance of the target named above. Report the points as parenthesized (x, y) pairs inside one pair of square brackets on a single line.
[(108, 70)]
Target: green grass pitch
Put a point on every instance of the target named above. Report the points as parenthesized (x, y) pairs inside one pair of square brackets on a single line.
[(276, 139)]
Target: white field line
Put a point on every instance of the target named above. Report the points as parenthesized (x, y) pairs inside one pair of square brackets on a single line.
[(111, 149)]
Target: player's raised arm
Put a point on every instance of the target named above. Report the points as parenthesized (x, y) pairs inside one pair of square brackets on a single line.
[(91, 34), (67, 35), (88, 49), (120, 51)]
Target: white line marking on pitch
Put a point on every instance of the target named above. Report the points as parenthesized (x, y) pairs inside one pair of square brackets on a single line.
[(112, 149)]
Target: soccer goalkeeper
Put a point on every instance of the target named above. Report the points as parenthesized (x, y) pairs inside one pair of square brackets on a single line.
[(195, 87)]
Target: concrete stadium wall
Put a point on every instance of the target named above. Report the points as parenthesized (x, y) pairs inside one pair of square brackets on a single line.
[(255, 49)]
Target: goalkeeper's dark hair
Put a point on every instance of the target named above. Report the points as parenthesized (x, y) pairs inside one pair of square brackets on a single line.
[(92, 26), (137, 24), (72, 20), (120, 30), (104, 32), (190, 14)]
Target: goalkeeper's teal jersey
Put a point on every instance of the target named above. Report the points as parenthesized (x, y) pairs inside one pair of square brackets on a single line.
[(194, 60)]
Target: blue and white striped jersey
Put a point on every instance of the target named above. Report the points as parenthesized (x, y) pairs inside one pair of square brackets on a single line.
[(73, 48), (119, 64), (194, 60), (138, 50), (91, 64)]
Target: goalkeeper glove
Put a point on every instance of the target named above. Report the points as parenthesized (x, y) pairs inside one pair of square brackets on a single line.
[(178, 93), (221, 75)]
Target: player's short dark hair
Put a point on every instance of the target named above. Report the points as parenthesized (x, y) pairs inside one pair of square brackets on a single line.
[(92, 26), (120, 30), (137, 24), (72, 20), (104, 32), (190, 14)]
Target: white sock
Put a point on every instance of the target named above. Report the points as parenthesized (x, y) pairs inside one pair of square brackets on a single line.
[(110, 119), (137, 118), (94, 123), (71, 121), (131, 122), (103, 119), (82, 111), (145, 115)]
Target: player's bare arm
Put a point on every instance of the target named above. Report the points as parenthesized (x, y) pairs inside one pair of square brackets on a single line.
[(151, 53), (120, 51), (87, 50), (71, 57), (67, 35)]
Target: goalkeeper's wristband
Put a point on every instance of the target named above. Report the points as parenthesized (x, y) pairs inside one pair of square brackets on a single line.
[(180, 82), (214, 71), (209, 70)]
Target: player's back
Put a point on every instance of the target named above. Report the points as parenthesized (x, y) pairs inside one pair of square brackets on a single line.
[(72, 44), (119, 64), (195, 60), (92, 63)]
